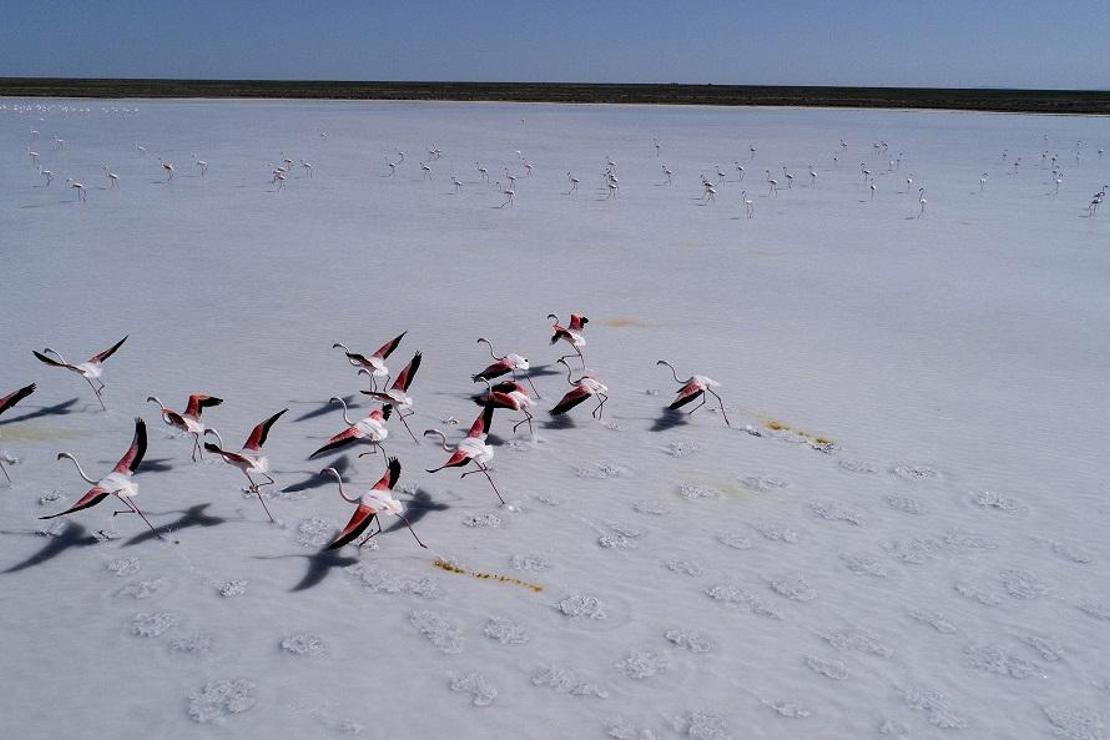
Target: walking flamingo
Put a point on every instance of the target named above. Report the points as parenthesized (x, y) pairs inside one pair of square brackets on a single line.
[(482, 171), (397, 394), (922, 201), (371, 428), (507, 363), (472, 449), (509, 194), (113, 178), (6, 402), (250, 459), (189, 421), (117, 483), (668, 173), (749, 204), (90, 370), (377, 500), (82, 194), (573, 184), (48, 175), (571, 334), (168, 167), (375, 363), (584, 387), (694, 387)]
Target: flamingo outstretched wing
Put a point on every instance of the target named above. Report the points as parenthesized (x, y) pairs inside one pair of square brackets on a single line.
[(15, 397), (92, 497), (404, 380), (482, 424), (102, 356), (387, 349), (233, 458), (389, 478), (577, 321), (131, 459), (572, 398), (258, 435), (51, 361), (338, 441), (686, 394), (360, 520), (496, 370), (198, 401)]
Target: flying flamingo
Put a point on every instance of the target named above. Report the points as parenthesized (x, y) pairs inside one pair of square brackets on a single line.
[(250, 459), (397, 394), (693, 387), (584, 387), (507, 363), (572, 334), (118, 483), (510, 395), (6, 402), (377, 500), (371, 427), (189, 421), (90, 370), (375, 363), (472, 449)]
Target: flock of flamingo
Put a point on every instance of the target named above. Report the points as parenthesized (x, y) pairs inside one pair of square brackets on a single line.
[(390, 395), (610, 185)]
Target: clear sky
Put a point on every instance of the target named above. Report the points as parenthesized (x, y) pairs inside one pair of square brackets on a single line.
[(944, 43)]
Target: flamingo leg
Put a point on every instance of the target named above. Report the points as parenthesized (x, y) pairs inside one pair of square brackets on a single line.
[(529, 379), (97, 392), (366, 539), (721, 401), (264, 506), (485, 471), (403, 421), (699, 405), (135, 509), (5, 472), (196, 446), (526, 420), (405, 519), (600, 410), (269, 481)]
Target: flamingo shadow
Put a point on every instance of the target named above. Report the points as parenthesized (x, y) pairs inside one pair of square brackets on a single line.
[(539, 371), (669, 419), (419, 506), (57, 409), (559, 422), (194, 516), (317, 479), (74, 535), (320, 564), (326, 408)]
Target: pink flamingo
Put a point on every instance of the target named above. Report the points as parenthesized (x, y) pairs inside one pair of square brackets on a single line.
[(250, 459), (374, 502), (90, 370), (584, 387), (472, 449), (692, 388), (189, 421), (397, 395)]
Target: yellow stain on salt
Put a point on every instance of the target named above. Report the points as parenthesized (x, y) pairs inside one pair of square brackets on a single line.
[(621, 322), (455, 568), (778, 426), (30, 434)]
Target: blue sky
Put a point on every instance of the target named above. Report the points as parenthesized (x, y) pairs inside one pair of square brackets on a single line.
[(924, 43)]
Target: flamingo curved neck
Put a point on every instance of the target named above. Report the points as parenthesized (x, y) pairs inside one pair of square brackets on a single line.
[(80, 470), (442, 438), (218, 437), (343, 403), (673, 371)]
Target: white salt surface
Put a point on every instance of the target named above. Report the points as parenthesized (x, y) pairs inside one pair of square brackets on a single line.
[(940, 571)]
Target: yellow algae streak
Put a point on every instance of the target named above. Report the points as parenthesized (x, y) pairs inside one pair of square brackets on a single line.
[(24, 434), (454, 568), (621, 322), (815, 440)]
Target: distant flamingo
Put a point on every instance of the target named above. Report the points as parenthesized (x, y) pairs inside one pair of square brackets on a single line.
[(82, 194), (507, 363), (571, 334), (203, 166), (168, 167), (6, 402), (113, 178), (922, 201), (118, 483), (371, 504), (749, 204), (90, 370), (375, 363), (371, 428), (573, 184), (584, 387), (692, 388), (668, 173), (250, 459), (472, 449), (188, 421), (48, 175), (397, 395)]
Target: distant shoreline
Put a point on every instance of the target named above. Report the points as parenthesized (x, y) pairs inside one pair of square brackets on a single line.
[(1069, 102)]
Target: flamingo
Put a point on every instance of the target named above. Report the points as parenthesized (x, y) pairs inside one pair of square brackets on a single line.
[(789, 178), (472, 449), (510, 395), (117, 483), (189, 421), (570, 334), (749, 204), (812, 176), (482, 171), (668, 173), (426, 170), (921, 200), (168, 167), (34, 157), (693, 387), (509, 194), (48, 175), (457, 183), (375, 363), (983, 181), (371, 428), (82, 194), (203, 166), (584, 387), (573, 184), (375, 501), (6, 402), (249, 458), (113, 178), (397, 395), (307, 167), (739, 172), (507, 363), (90, 370), (392, 167)]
